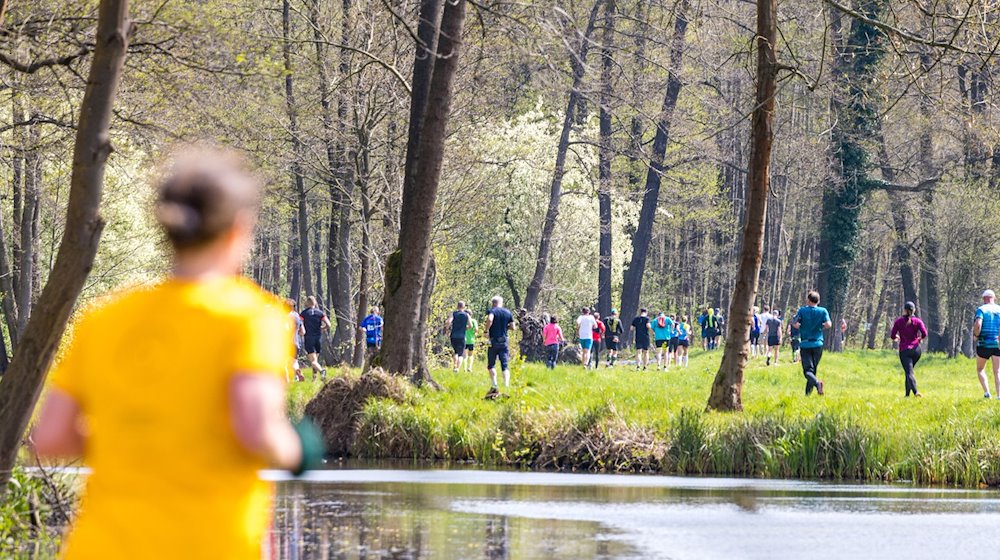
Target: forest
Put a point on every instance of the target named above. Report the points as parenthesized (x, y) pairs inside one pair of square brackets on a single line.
[(593, 152)]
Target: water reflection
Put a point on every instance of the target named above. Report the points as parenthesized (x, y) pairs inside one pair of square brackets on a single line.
[(481, 515)]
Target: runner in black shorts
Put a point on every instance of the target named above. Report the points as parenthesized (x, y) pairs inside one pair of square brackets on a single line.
[(640, 326), (612, 336), (498, 323), (315, 322), (459, 322), (674, 338)]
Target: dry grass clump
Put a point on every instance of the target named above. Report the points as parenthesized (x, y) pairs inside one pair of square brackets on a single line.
[(337, 408), (600, 440)]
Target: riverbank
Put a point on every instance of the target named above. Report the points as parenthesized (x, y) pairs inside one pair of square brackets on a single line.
[(621, 420)]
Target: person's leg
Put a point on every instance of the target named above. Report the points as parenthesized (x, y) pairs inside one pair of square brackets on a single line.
[(596, 352), (981, 372), (491, 365), (505, 364), (809, 363), (996, 374), (914, 358), (904, 360)]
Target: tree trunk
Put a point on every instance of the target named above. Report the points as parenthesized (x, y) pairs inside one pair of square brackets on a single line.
[(632, 284), (298, 182), (343, 206), (727, 389), (21, 386), (854, 110), (879, 310), (605, 157), (930, 301), (26, 257), (419, 198), (6, 286), (897, 208), (578, 61), (364, 280)]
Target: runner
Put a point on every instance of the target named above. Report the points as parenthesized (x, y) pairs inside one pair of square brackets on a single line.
[(774, 337), (702, 322), (793, 334), (295, 321), (459, 323), (553, 335), (754, 331), (674, 339), (683, 341), (711, 328), (599, 330), (811, 319), (315, 322), (175, 454), (371, 325), (586, 324), (765, 316), (470, 341), (910, 331), (641, 327), (663, 328), (986, 329), (498, 323), (720, 329), (613, 331)]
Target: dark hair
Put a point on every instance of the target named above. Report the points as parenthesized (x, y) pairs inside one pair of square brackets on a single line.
[(202, 195), (643, 310), (553, 319), (813, 296), (908, 309), (586, 310)]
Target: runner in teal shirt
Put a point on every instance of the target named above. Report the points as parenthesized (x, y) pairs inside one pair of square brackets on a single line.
[(663, 328), (811, 319)]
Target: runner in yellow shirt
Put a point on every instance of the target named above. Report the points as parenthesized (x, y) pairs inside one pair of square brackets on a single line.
[(174, 394)]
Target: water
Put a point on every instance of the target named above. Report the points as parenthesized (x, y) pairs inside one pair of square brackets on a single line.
[(399, 514)]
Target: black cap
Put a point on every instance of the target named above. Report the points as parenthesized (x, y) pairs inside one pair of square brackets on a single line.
[(909, 306)]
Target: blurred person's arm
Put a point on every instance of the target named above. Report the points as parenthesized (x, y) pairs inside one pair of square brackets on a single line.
[(58, 432), (257, 412)]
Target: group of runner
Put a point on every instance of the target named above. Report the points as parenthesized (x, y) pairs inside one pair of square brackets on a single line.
[(767, 331)]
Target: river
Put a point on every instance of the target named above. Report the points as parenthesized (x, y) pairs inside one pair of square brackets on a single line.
[(439, 514)]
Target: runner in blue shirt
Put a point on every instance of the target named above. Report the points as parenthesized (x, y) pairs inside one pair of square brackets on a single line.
[(663, 328), (811, 319), (986, 329), (371, 326), (683, 340)]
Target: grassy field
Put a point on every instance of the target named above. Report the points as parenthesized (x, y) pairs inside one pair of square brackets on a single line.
[(625, 420)]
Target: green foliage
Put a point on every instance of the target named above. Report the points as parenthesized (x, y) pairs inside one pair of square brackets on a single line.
[(33, 512)]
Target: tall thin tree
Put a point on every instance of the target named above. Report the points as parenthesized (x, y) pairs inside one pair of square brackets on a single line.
[(727, 389), (22, 385)]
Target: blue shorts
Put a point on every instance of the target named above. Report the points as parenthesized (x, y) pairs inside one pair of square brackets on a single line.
[(586, 343)]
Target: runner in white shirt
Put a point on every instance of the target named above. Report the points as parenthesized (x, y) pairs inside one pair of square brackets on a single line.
[(586, 323)]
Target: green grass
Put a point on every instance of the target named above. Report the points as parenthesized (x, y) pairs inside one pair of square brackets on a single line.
[(625, 420)]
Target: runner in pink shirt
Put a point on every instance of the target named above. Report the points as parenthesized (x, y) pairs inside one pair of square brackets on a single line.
[(553, 336), (910, 331)]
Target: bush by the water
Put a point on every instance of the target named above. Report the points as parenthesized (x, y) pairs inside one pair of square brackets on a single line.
[(33, 513), (622, 420)]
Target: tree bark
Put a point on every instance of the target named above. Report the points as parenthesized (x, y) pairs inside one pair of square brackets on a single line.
[(298, 182), (419, 199), (364, 280), (897, 202), (343, 206), (632, 284), (21, 386), (578, 61), (854, 108), (605, 157), (26, 256), (395, 341), (727, 389)]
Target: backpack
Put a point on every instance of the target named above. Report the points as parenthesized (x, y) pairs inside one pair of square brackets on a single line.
[(661, 321)]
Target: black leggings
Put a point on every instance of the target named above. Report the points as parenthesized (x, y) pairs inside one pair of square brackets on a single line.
[(810, 361), (909, 358)]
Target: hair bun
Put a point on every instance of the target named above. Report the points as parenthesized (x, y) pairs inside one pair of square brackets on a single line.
[(180, 221)]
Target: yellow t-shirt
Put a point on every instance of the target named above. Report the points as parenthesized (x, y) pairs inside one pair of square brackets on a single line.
[(150, 371)]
